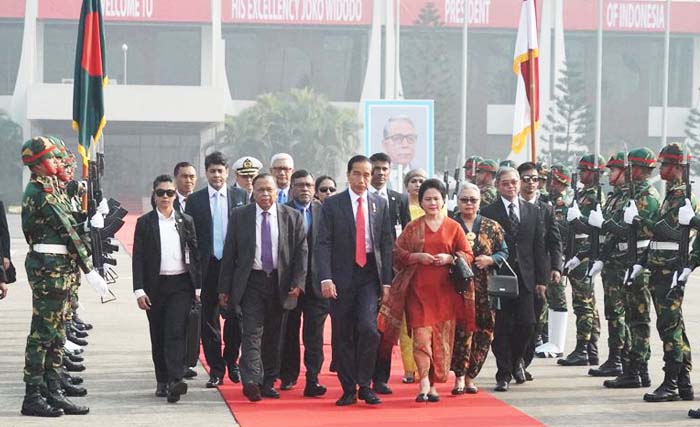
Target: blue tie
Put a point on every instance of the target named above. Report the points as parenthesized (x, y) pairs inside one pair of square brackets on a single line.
[(282, 197), (218, 228)]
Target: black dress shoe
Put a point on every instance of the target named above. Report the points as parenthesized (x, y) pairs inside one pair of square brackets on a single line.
[(189, 373), (381, 388), (175, 390), (519, 375), (269, 392), (528, 376), (314, 390), (252, 392), (214, 382), (501, 386), (346, 399), (368, 396), (287, 385), (457, 391), (694, 413), (234, 373), (161, 389), (433, 398)]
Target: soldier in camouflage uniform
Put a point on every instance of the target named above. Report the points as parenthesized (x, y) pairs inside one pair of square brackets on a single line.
[(582, 294), (692, 219), (554, 320), (662, 260), (613, 273), (485, 176), (470, 168), (544, 173), (55, 249), (644, 209)]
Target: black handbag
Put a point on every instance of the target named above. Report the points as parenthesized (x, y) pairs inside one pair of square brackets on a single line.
[(10, 273), (503, 286), (192, 334), (460, 274)]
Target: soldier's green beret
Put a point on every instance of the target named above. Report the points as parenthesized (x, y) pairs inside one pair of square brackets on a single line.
[(643, 157), (472, 162), (587, 163), (673, 154), (617, 160), (37, 149), (561, 174), (487, 165), (508, 164)]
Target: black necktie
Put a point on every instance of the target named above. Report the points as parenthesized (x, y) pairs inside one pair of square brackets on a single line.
[(514, 221)]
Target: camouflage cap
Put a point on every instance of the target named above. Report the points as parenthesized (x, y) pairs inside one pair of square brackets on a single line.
[(617, 160), (472, 162), (561, 174), (642, 157), (487, 165), (587, 163), (61, 149), (508, 164), (672, 154), (37, 149)]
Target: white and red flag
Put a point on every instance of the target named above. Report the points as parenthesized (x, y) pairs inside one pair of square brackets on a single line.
[(526, 67)]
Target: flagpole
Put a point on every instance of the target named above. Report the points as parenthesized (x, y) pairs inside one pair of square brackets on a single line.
[(397, 42), (465, 40), (533, 105), (599, 82), (667, 48)]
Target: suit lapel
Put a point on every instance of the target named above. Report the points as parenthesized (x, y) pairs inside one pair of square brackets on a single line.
[(156, 232), (346, 207), (180, 227), (372, 213), (523, 211), (282, 228)]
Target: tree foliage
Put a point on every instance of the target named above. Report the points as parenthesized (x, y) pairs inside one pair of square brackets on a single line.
[(692, 132), (301, 122), (569, 124), (10, 159)]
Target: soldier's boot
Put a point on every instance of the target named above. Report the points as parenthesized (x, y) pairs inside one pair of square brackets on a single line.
[(578, 357), (611, 367), (72, 390), (72, 366), (644, 374), (628, 379), (593, 352), (35, 404), (694, 413), (685, 388), (57, 399), (70, 336), (668, 390)]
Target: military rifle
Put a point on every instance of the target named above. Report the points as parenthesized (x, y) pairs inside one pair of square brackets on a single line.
[(632, 228), (684, 241), (594, 232), (571, 237)]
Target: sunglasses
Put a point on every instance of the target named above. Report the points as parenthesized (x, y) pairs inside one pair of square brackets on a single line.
[(529, 178), (472, 200), (160, 193), (326, 189)]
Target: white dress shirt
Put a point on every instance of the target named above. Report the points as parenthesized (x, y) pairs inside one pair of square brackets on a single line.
[(533, 201), (515, 204), (223, 205), (274, 236), (368, 236)]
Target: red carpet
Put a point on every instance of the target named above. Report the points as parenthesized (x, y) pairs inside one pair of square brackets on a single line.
[(398, 409)]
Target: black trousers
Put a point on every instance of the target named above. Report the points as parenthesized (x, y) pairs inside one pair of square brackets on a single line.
[(539, 304), (167, 318), (211, 325), (354, 322), (515, 324), (261, 323), (315, 311)]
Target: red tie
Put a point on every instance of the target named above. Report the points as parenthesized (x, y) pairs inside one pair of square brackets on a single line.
[(360, 251)]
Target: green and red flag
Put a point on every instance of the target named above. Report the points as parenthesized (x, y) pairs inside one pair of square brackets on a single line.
[(90, 78)]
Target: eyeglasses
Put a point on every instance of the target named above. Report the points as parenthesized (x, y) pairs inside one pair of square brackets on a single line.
[(472, 200), (530, 178), (326, 189), (160, 193), (399, 137)]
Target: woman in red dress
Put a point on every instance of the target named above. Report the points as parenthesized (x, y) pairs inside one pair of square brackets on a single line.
[(422, 288)]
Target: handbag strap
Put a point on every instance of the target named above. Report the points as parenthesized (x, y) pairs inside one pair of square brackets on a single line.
[(505, 261)]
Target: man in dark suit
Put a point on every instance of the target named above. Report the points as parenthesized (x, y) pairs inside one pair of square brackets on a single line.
[(400, 216), (263, 273), (210, 208), (529, 192), (312, 304), (185, 182), (354, 256), (524, 234), (4, 251), (166, 276)]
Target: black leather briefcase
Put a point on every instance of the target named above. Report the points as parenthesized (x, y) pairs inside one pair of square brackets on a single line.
[(502, 285), (192, 334)]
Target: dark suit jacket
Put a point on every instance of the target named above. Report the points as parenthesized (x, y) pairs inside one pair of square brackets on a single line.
[(398, 210), (335, 245), (552, 237), (239, 252), (528, 251), (198, 208), (313, 284), (145, 261), (4, 234)]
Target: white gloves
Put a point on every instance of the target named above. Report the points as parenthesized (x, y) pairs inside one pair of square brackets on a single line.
[(631, 212), (573, 212), (636, 269), (572, 263), (97, 221), (596, 268), (595, 218), (97, 283), (451, 204), (682, 278), (103, 207), (685, 213)]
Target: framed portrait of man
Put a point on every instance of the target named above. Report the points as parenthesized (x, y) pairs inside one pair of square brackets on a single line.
[(403, 129)]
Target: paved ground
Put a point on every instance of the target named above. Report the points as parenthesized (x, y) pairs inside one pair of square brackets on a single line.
[(120, 379)]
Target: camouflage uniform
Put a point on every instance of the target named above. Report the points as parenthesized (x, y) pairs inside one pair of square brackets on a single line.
[(471, 348), (488, 193), (662, 260), (556, 292), (470, 168)]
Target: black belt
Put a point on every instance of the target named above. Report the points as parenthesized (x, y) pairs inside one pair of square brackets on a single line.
[(263, 273)]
